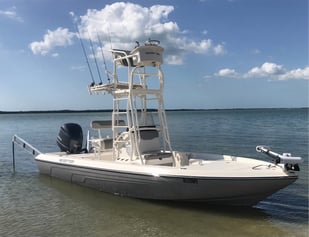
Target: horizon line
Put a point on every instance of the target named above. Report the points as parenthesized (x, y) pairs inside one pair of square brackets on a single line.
[(110, 110)]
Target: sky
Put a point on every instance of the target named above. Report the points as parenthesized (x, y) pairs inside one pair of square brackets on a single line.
[(218, 54)]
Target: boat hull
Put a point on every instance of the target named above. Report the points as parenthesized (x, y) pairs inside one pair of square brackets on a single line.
[(243, 191)]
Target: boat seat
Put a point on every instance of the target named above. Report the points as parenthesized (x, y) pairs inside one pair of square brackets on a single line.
[(102, 143), (100, 124), (159, 158), (150, 148), (149, 140)]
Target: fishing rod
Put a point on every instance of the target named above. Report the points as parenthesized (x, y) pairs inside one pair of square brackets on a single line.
[(95, 59), (85, 54), (110, 40), (104, 61)]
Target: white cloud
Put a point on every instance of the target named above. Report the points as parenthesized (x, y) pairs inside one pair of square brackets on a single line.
[(11, 14), (128, 22), (298, 73), (267, 70), (199, 47), (55, 55), (59, 37), (227, 72), (174, 59), (219, 49), (124, 23)]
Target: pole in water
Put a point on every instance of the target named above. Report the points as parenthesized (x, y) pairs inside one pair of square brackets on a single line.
[(13, 152)]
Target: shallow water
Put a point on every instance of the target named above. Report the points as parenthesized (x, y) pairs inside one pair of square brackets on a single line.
[(36, 205)]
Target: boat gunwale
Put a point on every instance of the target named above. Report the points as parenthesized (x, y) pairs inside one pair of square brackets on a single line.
[(158, 175)]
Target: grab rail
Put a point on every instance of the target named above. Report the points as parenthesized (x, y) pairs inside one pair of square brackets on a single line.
[(25, 145)]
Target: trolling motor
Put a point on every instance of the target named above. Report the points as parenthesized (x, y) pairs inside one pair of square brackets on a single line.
[(290, 162)]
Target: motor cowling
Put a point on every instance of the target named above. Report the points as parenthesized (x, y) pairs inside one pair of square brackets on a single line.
[(70, 138)]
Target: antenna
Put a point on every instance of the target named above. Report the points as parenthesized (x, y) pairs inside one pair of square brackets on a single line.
[(95, 58), (105, 67)]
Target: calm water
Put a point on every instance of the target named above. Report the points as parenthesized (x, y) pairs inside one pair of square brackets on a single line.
[(35, 205)]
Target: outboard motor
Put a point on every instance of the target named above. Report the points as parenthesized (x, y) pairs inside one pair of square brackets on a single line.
[(70, 138)]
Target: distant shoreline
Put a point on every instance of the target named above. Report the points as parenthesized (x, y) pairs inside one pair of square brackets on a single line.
[(110, 110)]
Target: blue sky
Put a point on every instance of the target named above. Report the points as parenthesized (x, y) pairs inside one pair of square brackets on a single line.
[(218, 53)]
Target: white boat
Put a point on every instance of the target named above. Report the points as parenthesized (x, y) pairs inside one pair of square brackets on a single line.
[(132, 154)]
